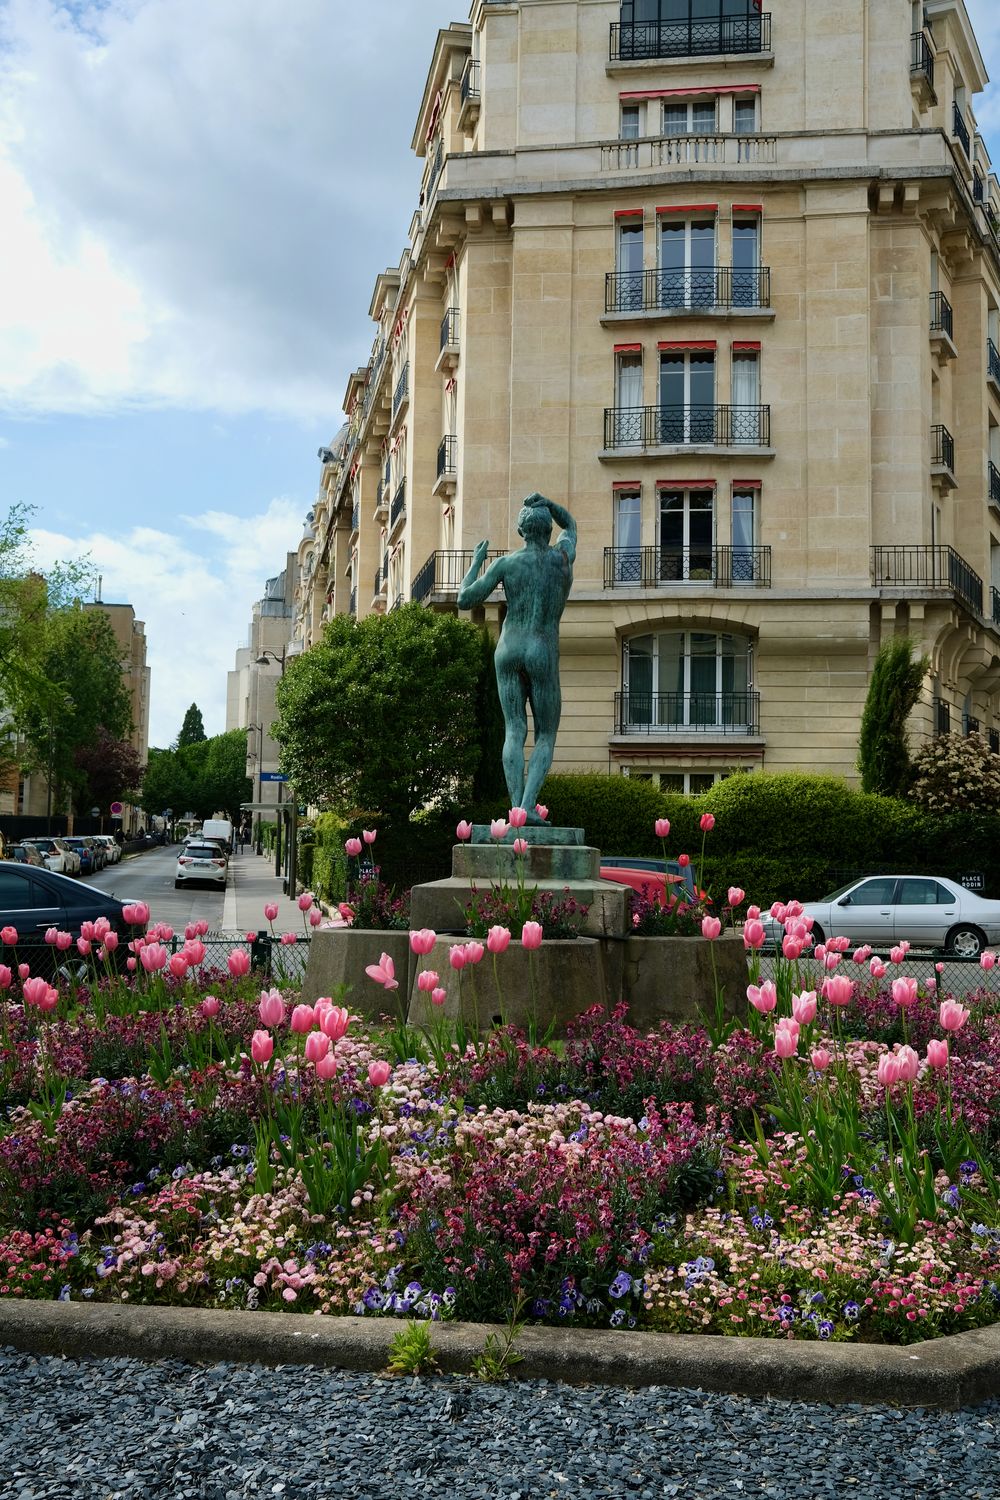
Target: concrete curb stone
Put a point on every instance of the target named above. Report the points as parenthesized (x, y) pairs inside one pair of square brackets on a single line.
[(949, 1373)]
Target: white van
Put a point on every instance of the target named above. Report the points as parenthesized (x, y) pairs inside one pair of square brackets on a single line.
[(218, 828)]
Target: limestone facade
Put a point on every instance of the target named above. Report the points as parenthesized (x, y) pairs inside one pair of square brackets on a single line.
[(728, 287)]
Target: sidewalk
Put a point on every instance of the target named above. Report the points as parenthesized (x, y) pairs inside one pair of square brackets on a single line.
[(252, 882)]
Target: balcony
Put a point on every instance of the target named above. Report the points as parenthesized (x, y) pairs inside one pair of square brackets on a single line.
[(970, 724), (356, 518), (993, 477), (397, 603), (960, 130), (994, 739), (978, 190), (352, 607), (995, 605), (922, 68), (714, 567), (440, 578), (712, 290), (398, 508), (379, 589), (469, 95), (928, 567), (661, 430), (382, 501), (645, 41), (434, 172), (401, 394), (688, 151), (687, 713), (448, 356), (942, 328), (447, 466), (993, 364), (943, 458)]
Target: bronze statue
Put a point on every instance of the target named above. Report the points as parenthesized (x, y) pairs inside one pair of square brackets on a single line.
[(536, 581)]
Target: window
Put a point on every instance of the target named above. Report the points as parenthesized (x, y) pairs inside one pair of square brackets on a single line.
[(687, 396), (628, 264), (631, 122), (683, 679), (743, 532), (874, 892), (746, 262), (680, 118), (745, 115), (923, 893), (688, 783), (686, 536), (745, 381), (628, 537), (19, 893), (686, 276)]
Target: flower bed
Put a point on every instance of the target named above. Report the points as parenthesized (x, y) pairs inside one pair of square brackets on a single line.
[(177, 1136)]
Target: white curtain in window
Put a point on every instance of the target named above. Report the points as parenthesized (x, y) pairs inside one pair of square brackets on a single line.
[(745, 386), (630, 381)]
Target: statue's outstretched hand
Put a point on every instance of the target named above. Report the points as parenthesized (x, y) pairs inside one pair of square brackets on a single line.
[(479, 556)]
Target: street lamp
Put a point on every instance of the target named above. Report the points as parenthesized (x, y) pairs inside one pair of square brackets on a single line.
[(263, 660), (258, 730)]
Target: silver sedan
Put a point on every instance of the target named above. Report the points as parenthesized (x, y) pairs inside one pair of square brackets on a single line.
[(928, 911)]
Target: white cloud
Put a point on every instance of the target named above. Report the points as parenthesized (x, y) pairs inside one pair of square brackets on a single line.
[(197, 198), (194, 595)]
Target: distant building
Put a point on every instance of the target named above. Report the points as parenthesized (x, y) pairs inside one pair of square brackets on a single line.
[(251, 685)]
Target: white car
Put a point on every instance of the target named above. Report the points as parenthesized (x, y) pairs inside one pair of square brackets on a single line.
[(928, 911), (110, 845), (201, 862), (57, 855)]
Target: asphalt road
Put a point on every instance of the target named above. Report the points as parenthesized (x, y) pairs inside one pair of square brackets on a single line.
[(149, 877)]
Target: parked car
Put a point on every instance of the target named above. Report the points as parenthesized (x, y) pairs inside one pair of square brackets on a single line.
[(111, 849), (84, 852), (201, 862), (33, 900), (56, 854), (25, 854), (653, 875), (929, 911)]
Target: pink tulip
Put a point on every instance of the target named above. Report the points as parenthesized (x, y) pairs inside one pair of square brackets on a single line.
[(379, 1074), (238, 963), (896, 955), (305, 901), (250, 936), (195, 950), (317, 1046), (753, 913), (8, 935), (83, 947), (6, 977), (49, 1000), (50, 935), (662, 828), (804, 1007), (987, 960), (877, 968), (862, 955), (456, 956), (498, 939), (165, 932), (498, 829), (261, 1046), (930, 983), (952, 1015), (710, 928), (136, 914), (271, 1008), (520, 846), (326, 1068), (178, 965), (463, 831), (937, 1053), (271, 910), (904, 991), (909, 1064), (820, 1059), (23, 971), (706, 822), (474, 952), (303, 1019), (838, 989), (888, 1070), (346, 911), (131, 964), (34, 990), (517, 817), (87, 931), (369, 835), (541, 810), (735, 896), (753, 934), (110, 942), (778, 910), (190, 931), (683, 860), (791, 947), (838, 944), (153, 957), (763, 997), (334, 1022), (786, 1042), (830, 961), (439, 996), (64, 940), (209, 1007), (939, 967), (531, 935), (287, 939), (820, 953), (423, 941), (384, 973), (352, 847), (428, 980), (315, 917)]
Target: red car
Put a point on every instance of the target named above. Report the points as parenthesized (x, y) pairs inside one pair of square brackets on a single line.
[(651, 874)]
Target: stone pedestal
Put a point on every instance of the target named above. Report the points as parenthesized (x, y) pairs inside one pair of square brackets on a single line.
[(671, 978), (339, 956)]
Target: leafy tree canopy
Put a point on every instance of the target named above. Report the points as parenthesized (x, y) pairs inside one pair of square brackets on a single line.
[(206, 777), (112, 770)]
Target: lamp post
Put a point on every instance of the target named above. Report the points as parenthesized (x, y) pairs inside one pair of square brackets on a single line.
[(289, 881), (258, 730)]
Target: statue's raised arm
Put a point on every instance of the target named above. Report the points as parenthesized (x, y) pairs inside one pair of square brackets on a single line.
[(476, 590)]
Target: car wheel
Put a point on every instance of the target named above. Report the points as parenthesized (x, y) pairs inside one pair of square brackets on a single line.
[(819, 936), (966, 942), (178, 884)]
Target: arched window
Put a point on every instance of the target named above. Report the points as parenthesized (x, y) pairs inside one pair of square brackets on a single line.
[(688, 680)]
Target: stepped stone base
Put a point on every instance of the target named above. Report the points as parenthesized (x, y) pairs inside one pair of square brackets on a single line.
[(442, 903)]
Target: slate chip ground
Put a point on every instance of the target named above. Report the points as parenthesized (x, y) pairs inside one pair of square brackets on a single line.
[(115, 1429)]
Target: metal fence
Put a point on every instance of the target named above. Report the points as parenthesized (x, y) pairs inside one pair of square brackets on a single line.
[(958, 976)]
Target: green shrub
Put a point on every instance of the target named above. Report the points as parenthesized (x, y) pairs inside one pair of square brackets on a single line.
[(617, 813), (328, 876)]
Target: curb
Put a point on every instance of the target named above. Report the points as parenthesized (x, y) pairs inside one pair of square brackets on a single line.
[(948, 1373)]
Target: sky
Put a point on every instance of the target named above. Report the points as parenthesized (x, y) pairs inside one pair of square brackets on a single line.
[(195, 199)]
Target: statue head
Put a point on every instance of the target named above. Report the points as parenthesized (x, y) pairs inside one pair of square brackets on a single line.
[(534, 523)]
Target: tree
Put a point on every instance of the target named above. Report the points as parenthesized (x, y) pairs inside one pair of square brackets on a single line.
[(226, 782), (207, 777), (883, 754), (166, 783), (193, 728), (112, 769), (957, 773), (381, 715)]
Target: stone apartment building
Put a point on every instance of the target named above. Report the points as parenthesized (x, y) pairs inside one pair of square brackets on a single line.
[(251, 685), (727, 283)]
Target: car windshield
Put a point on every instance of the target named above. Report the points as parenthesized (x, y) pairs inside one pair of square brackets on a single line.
[(204, 851)]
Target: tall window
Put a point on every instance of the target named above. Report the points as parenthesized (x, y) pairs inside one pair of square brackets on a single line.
[(687, 679), (745, 115), (686, 536), (686, 276), (696, 118), (743, 533), (628, 537), (687, 396), (631, 122), (746, 262), (746, 384), (628, 263), (628, 400)]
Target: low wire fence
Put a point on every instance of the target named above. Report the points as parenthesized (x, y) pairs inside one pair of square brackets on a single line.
[(956, 976)]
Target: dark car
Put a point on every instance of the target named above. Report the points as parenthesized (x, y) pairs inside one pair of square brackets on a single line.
[(33, 900), (25, 854), (85, 852)]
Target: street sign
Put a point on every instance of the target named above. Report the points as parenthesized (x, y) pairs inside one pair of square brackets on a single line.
[(95, 812), (116, 809), (272, 776), (974, 881)]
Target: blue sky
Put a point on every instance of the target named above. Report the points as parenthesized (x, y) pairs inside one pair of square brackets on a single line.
[(195, 198)]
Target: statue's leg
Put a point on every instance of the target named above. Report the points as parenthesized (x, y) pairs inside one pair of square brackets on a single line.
[(513, 700), (546, 703)]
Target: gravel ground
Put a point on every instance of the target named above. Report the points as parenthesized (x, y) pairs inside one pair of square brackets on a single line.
[(115, 1429)]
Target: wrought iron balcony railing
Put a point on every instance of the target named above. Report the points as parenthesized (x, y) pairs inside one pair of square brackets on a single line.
[(687, 713), (942, 447), (929, 567), (978, 191), (470, 80), (402, 390), (379, 587), (921, 57), (447, 456), (942, 317), (665, 426), (992, 361), (443, 572), (960, 130), (397, 603), (970, 724), (634, 41), (994, 739), (356, 517), (353, 605), (437, 162), (398, 505), (942, 716), (708, 287), (449, 327), (995, 605), (994, 482), (715, 567)]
